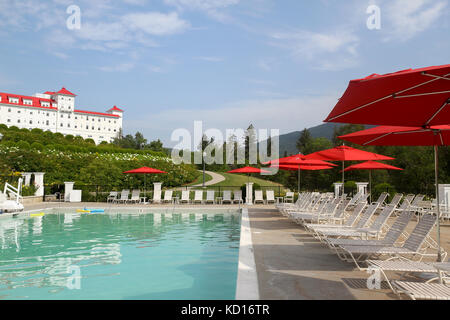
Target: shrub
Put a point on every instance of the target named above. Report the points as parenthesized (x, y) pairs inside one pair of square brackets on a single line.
[(37, 146), (383, 187), (29, 190), (23, 145)]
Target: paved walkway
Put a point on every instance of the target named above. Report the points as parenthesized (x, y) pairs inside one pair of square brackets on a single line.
[(216, 178), (291, 265)]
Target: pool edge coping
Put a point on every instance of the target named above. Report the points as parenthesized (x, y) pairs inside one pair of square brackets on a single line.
[(247, 287)]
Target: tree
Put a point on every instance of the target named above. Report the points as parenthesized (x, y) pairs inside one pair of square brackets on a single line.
[(156, 145), (250, 142), (139, 141), (304, 141)]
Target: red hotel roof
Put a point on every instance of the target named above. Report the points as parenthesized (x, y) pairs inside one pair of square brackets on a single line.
[(65, 91), (97, 113), (36, 103)]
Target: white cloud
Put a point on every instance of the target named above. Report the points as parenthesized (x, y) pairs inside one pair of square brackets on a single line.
[(155, 23), (211, 59), (213, 8), (407, 18), (331, 51), (124, 67)]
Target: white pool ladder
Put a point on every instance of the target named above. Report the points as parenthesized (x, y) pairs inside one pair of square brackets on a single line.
[(13, 192)]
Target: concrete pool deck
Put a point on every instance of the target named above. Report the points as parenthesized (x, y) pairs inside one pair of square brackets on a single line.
[(279, 260), (292, 265)]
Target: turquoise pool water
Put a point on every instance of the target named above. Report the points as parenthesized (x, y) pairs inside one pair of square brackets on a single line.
[(119, 256)]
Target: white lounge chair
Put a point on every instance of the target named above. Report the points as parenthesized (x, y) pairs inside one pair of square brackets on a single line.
[(423, 291), (227, 197), (259, 197), (168, 196), (238, 197), (198, 197), (210, 197), (112, 197), (411, 247), (185, 197), (289, 197), (135, 196), (270, 196), (124, 196), (392, 235)]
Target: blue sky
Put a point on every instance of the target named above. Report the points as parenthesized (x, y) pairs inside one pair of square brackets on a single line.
[(279, 64)]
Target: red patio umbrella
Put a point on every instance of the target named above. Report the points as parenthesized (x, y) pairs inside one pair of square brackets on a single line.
[(345, 153), (371, 165), (144, 171), (408, 136), (299, 168), (300, 161), (413, 97)]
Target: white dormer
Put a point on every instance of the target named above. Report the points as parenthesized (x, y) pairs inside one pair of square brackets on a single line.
[(65, 100), (116, 111)]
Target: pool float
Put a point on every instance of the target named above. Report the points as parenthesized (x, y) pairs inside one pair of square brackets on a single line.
[(40, 214), (91, 210)]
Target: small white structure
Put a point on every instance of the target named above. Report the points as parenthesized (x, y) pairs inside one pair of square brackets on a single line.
[(39, 183), (157, 187), (27, 178), (447, 198), (249, 193), (71, 195), (338, 189), (362, 187)]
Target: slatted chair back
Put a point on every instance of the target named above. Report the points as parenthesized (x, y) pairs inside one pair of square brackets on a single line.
[(355, 214), (397, 228), (382, 198), (382, 218), (420, 233), (367, 215), (396, 199)]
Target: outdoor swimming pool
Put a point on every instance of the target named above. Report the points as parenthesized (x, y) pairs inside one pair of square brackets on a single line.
[(128, 255)]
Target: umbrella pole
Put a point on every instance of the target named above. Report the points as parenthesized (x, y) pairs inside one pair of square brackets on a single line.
[(370, 185), (299, 179), (343, 178), (438, 209)]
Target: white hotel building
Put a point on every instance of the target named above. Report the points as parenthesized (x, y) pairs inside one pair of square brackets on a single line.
[(56, 112)]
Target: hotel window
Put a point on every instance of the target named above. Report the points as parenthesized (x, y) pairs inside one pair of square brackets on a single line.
[(62, 116), (68, 125), (31, 112), (47, 122), (9, 109), (31, 121), (48, 114), (18, 121), (18, 111), (9, 120), (61, 125), (93, 128), (87, 127), (76, 127), (68, 116)]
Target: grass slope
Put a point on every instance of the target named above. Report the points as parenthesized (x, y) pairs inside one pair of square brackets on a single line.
[(237, 180)]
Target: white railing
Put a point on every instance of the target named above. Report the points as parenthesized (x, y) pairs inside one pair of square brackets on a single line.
[(13, 192)]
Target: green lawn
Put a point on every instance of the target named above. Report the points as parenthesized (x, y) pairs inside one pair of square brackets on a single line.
[(237, 180)]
